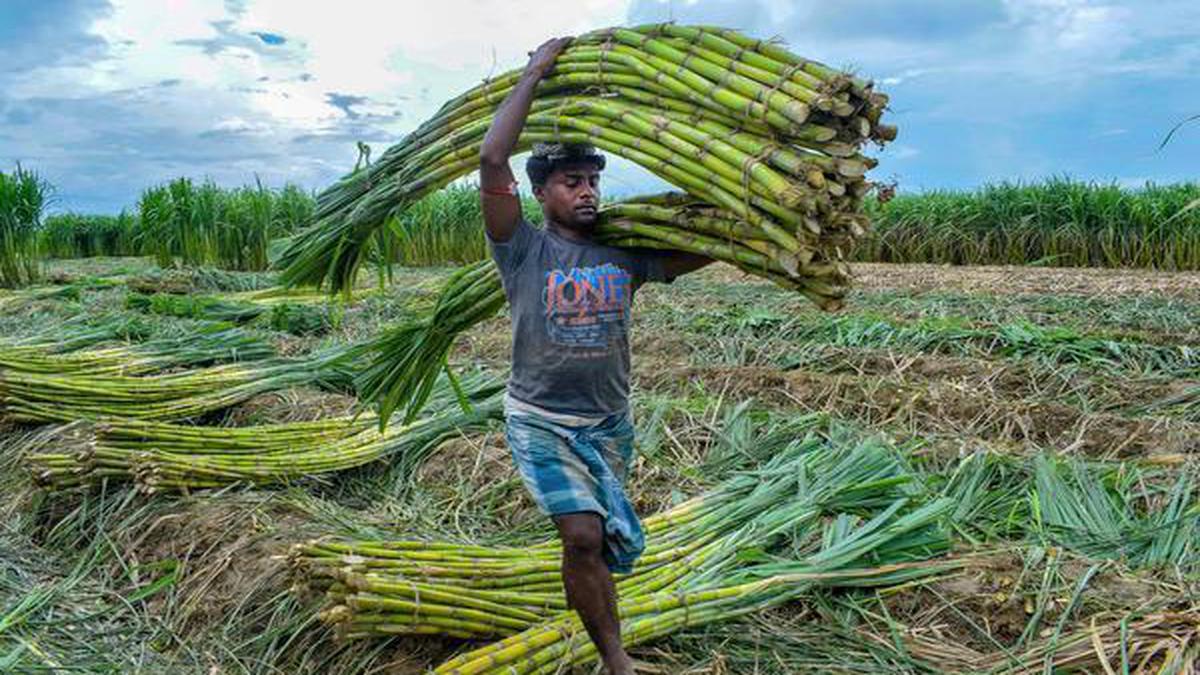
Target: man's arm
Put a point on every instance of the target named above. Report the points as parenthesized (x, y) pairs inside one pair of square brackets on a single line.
[(497, 193)]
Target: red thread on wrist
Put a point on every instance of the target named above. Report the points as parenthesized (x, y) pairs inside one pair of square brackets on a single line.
[(510, 190)]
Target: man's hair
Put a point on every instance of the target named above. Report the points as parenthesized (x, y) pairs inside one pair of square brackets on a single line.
[(546, 157)]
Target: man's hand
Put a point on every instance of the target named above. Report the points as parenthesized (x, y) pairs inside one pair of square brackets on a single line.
[(541, 60), (501, 208)]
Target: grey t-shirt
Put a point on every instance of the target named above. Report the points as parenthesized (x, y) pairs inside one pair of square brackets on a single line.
[(570, 307)]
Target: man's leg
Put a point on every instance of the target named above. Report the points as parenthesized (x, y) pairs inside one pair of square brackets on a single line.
[(589, 586)]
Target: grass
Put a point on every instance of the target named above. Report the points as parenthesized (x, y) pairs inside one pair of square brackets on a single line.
[(1069, 496), (445, 228), (202, 224), (72, 235), (23, 197), (1058, 222)]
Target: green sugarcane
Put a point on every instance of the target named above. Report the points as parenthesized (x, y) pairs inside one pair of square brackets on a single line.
[(479, 102)]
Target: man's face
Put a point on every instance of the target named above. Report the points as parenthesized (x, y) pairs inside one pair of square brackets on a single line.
[(571, 196)]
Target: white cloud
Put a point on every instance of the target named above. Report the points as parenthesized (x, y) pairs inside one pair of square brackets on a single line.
[(166, 87), (201, 77)]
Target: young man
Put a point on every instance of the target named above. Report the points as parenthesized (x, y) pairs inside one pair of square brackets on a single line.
[(567, 406)]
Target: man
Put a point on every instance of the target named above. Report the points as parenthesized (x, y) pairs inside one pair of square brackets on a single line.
[(569, 428)]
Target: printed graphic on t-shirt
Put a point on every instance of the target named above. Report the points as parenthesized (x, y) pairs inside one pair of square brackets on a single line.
[(587, 307)]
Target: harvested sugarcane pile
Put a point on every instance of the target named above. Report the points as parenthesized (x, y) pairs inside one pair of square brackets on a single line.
[(871, 554), (694, 568), (305, 317), (65, 397), (160, 456), (203, 348), (764, 139)]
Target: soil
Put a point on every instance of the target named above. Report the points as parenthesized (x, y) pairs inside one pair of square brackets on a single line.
[(939, 406), (1027, 280)]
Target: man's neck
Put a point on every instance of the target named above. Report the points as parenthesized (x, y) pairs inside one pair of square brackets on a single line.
[(568, 233)]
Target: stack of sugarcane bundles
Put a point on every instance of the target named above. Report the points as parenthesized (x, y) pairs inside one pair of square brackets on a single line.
[(698, 538), (296, 318), (161, 456), (206, 347), (765, 140), (891, 549), (696, 555), (69, 396)]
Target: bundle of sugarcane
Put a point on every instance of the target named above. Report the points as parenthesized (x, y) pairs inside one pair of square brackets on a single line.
[(769, 139), (63, 397), (216, 345), (405, 362), (167, 456), (894, 547), (379, 587), (277, 295)]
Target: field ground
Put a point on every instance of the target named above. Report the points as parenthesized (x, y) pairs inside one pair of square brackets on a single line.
[(944, 363)]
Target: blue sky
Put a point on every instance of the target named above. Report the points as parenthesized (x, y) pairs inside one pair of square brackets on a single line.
[(106, 97)]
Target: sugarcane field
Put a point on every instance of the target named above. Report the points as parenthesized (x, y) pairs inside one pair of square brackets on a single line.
[(673, 337)]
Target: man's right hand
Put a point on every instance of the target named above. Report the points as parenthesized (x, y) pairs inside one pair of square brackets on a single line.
[(541, 60)]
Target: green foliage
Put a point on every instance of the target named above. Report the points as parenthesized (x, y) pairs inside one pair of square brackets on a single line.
[(1058, 222), (74, 235), (203, 224), (1094, 512), (304, 319), (23, 196), (445, 227), (205, 307)]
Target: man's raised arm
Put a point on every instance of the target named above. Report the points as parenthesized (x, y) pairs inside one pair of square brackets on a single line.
[(497, 186)]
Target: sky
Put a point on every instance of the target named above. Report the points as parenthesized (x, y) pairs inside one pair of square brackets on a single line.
[(106, 97)]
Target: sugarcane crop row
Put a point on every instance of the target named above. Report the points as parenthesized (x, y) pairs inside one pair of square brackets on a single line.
[(161, 456), (756, 136), (693, 570), (75, 335)]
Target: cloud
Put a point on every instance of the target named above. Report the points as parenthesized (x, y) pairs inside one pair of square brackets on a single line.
[(107, 99), (39, 33), (269, 38), (345, 103)]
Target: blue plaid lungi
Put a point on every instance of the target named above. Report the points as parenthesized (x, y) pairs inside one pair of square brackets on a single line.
[(581, 469)]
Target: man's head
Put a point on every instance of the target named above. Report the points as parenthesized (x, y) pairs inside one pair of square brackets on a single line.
[(566, 180)]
